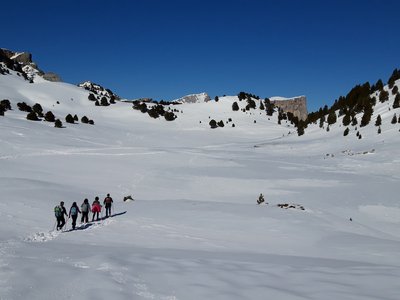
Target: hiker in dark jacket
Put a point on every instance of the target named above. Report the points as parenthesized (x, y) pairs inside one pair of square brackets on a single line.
[(108, 203), (85, 209), (73, 212), (60, 211)]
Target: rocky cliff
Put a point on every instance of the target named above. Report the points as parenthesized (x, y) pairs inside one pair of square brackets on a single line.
[(24, 61), (193, 98), (295, 105)]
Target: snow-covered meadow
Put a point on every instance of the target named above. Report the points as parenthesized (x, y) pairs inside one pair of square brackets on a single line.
[(194, 230)]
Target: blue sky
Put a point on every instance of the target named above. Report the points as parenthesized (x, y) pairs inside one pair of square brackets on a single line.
[(166, 49)]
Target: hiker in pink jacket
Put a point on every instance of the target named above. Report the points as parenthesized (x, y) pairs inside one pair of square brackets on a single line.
[(96, 208)]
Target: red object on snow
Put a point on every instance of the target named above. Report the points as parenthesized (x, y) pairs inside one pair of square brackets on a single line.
[(96, 208)]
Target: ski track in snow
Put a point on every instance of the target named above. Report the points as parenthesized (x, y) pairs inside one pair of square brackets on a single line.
[(51, 235)]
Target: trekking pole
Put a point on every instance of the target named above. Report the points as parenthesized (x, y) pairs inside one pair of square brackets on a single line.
[(54, 227), (65, 225)]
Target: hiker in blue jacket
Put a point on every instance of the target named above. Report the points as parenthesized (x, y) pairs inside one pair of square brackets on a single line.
[(59, 212), (73, 212)]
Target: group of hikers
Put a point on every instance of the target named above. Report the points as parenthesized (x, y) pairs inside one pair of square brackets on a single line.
[(60, 211)]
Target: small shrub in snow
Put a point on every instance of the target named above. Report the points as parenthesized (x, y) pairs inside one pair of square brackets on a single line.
[(91, 122), (22, 106), (58, 123), (221, 123), (104, 102), (85, 120), (49, 117), (216, 98), (76, 118), (233, 125), (2, 110), (37, 108), (379, 130), (346, 131), (32, 116), (5, 104), (235, 106), (97, 103), (91, 97), (169, 116), (395, 90), (213, 124), (69, 119)]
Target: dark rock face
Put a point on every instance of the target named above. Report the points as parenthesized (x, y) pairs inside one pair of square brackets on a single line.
[(20, 57), (296, 105)]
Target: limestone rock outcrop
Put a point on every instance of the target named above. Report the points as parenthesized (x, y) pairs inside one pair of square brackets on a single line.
[(296, 105)]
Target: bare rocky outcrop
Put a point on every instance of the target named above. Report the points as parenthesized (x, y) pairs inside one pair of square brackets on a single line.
[(193, 98), (50, 76), (296, 105), (24, 61)]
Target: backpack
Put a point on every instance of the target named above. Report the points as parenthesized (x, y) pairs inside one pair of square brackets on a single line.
[(108, 200), (74, 211), (58, 211), (85, 207)]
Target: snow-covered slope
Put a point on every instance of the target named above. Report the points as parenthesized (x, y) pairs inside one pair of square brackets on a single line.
[(194, 230)]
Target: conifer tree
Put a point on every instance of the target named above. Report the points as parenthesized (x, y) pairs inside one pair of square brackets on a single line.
[(396, 102), (366, 116), (354, 121), (58, 123), (321, 122), (346, 119), (69, 119), (394, 119), (332, 118), (378, 121), (383, 96), (235, 106), (346, 131), (49, 117)]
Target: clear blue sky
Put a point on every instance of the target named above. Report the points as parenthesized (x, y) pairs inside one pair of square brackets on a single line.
[(166, 49)]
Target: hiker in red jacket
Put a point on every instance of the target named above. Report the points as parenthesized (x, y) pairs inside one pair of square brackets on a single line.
[(108, 203), (96, 208)]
